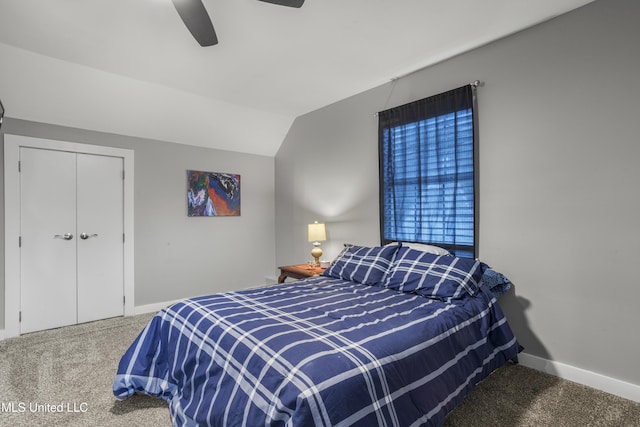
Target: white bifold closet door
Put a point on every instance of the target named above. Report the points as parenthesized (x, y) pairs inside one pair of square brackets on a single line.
[(71, 227)]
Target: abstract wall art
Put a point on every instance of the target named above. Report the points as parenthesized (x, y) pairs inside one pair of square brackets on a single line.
[(213, 194)]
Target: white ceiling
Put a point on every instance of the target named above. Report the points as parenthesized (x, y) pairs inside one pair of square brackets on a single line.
[(272, 63)]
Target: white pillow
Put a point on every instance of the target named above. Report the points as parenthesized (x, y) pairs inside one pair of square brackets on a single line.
[(427, 248)]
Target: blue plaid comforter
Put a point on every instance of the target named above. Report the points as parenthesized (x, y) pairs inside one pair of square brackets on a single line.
[(318, 352)]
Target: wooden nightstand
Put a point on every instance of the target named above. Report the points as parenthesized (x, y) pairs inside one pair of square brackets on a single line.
[(299, 271)]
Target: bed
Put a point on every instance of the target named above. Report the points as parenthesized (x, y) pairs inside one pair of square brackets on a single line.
[(386, 336)]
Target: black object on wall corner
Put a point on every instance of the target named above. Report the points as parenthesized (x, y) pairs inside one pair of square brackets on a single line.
[(1, 113)]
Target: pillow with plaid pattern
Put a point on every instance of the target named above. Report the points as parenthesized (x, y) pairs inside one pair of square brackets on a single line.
[(361, 264), (442, 277)]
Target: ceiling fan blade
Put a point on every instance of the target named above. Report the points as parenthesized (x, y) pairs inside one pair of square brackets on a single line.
[(195, 17), (290, 3)]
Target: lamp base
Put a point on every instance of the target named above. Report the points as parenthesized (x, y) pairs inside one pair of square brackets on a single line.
[(316, 253)]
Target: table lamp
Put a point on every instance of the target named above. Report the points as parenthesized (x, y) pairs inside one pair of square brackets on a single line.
[(317, 234)]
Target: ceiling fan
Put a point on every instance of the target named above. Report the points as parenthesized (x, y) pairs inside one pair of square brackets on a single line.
[(195, 17)]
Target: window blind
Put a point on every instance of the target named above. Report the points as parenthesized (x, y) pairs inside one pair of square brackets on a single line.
[(427, 172)]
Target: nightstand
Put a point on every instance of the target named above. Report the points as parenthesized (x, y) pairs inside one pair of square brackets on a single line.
[(299, 271)]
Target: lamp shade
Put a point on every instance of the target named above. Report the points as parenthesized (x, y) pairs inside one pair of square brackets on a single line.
[(317, 232)]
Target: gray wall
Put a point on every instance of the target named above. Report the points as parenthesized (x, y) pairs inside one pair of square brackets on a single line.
[(559, 123), (177, 256)]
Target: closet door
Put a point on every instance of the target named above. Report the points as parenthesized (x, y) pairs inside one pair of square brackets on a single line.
[(100, 237), (72, 249), (48, 240)]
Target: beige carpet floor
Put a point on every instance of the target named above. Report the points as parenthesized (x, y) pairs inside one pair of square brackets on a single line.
[(72, 369)]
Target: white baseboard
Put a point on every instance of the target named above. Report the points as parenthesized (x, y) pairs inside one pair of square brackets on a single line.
[(152, 308), (582, 376), (155, 307), (270, 280)]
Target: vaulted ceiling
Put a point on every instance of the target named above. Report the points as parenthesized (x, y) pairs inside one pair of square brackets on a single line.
[(131, 67)]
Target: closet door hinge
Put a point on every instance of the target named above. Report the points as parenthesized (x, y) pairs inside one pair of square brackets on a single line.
[(19, 166), (19, 241), (19, 316)]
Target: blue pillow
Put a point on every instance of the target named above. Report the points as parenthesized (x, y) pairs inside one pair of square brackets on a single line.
[(367, 265), (497, 283), (434, 276)]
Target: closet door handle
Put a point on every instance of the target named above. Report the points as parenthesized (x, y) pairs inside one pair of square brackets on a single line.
[(85, 236), (67, 236)]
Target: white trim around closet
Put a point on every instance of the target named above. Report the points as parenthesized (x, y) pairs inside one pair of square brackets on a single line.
[(12, 144)]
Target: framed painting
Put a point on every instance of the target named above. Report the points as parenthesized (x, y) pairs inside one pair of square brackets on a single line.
[(213, 194)]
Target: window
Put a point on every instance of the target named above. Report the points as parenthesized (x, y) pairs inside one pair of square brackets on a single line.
[(428, 172)]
